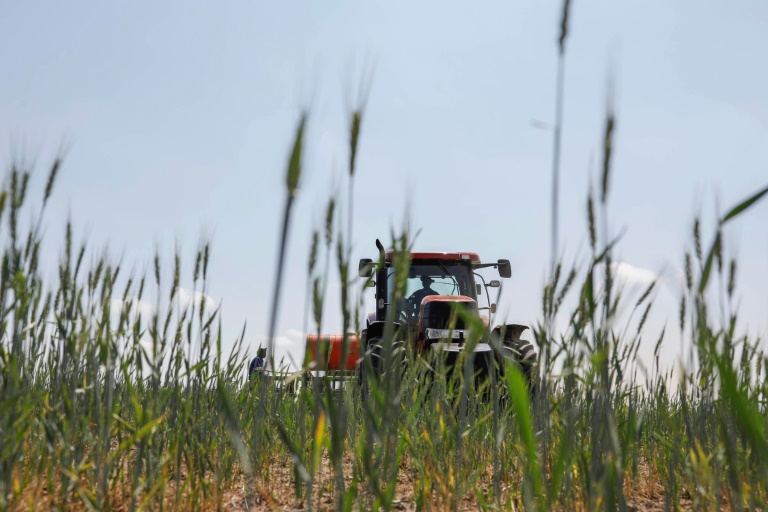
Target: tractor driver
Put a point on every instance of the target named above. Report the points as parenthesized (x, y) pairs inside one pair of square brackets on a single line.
[(417, 296)]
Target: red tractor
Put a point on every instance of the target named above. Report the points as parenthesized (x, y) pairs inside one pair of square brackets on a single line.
[(425, 319), (437, 287)]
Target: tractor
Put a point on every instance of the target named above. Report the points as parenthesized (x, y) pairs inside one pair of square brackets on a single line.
[(442, 292), (427, 318)]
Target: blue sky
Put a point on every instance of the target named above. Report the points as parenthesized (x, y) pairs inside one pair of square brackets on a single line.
[(177, 119)]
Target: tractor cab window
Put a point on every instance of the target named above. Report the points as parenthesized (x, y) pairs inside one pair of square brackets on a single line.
[(424, 280)]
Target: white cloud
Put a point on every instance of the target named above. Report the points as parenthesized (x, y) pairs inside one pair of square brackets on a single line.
[(680, 277), (285, 341), (294, 334), (184, 298), (187, 298), (630, 275), (136, 306), (146, 343)]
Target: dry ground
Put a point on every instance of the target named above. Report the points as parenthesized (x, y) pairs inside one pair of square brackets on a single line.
[(644, 493)]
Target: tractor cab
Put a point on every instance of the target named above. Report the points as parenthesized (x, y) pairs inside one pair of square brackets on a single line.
[(428, 278)]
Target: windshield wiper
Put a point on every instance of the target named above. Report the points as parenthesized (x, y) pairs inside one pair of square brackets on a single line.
[(448, 274), (445, 270)]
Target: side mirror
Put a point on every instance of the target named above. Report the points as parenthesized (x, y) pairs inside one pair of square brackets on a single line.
[(365, 268), (505, 269), (494, 284)]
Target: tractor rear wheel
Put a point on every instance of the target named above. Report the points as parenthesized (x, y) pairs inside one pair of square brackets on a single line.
[(522, 354)]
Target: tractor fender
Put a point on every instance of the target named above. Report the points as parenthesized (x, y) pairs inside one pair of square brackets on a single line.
[(509, 331), (374, 330)]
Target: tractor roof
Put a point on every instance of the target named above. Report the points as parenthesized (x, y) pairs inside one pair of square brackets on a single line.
[(444, 256)]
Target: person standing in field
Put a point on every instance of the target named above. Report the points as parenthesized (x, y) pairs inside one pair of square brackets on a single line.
[(257, 364)]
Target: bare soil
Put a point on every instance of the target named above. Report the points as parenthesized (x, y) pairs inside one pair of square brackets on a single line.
[(643, 492)]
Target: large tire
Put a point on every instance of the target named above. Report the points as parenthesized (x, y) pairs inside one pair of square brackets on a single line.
[(372, 362), (522, 354)]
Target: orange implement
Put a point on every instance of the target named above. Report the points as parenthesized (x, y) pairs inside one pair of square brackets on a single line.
[(326, 351)]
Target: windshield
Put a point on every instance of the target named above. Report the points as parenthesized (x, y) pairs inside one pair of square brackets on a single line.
[(432, 279)]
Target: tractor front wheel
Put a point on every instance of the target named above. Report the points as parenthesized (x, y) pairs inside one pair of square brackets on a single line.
[(373, 361)]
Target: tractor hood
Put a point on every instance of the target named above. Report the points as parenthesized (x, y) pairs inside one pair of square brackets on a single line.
[(438, 315), (437, 311)]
